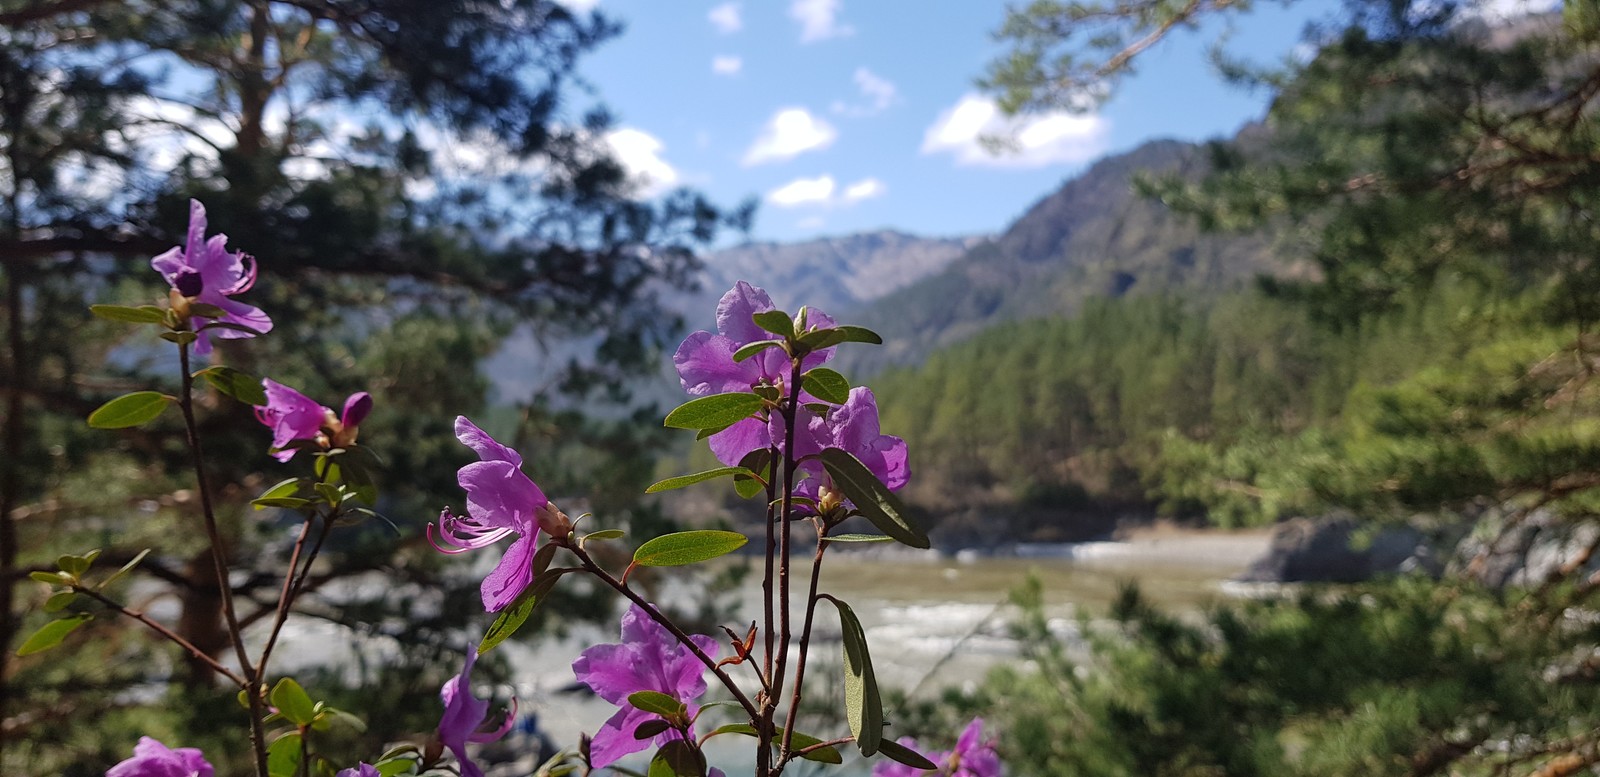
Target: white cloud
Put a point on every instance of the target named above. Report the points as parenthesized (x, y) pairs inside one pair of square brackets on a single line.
[(864, 189), (639, 153), (789, 133), (1506, 10), (817, 20), (579, 6), (725, 18), (1037, 141), (726, 65), (803, 191), (823, 192), (877, 94)]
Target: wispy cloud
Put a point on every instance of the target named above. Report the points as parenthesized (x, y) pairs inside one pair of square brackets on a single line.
[(818, 20), (824, 192), (1035, 141), (789, 133), (726, 18), (726, 65), (877, 93)]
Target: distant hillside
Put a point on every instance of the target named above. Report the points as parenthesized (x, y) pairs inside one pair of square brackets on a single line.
[(1094, 237)]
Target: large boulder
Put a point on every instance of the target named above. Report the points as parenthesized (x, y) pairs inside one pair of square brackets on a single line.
[(1517, 549), (1333, 549)]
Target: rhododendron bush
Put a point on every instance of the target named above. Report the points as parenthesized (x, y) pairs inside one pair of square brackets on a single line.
[(791, 433)]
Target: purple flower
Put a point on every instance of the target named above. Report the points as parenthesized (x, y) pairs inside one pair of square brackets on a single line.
[(360, 770), (153, 759), (501, 501), (851, 427), (204, 270), (972, 757), (293, 416), (706, 366), (649, 658), (463, 717)]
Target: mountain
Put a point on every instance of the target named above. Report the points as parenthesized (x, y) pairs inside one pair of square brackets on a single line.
[(836, 274), (1093, 237)]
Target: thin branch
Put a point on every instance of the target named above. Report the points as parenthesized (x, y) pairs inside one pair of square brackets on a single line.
[(163, 631)]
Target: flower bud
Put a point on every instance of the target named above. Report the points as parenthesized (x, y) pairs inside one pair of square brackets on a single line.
[(179, 303), (555, 522)]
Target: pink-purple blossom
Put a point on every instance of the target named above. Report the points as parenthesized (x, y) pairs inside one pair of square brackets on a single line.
[(204, 270), (851, 427), (973, 756), (153, 759), (501, 502), (294, 416), (706, 366), (464, 716), (649, 658)]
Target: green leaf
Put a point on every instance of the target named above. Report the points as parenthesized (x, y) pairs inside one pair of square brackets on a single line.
[(657, 703), (53, 578), (603, 534), (285, 502), (130, 410), (677, 759), (860, 334), (863, 705), (59, 601), (126, 568), (293, 703), (858, 538), (283, 755), (776, 322), (650, 728), (282, 488), (826, 385), (395, 767), (144, 314), (73, 565), (181, 338), (799, 741), (716, 410), (52, 633), (821, 338), (206, 310), (230, 325), (751, 349), (872, 497), (238, 384), (518, 612), (687, 547), (698, 477), (759, 463), (898, 752), (708, 431)]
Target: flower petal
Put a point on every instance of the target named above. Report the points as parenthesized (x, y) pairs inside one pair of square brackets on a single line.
[(735, 309), (487, 448), (706, 366), (732, 444), (512, 575)]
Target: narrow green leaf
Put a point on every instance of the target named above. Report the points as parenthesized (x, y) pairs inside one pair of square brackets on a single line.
[(698, 477), (126, 568), (657, 703), (898, 752), (819, 339), (650, 728), (603, 534), (716, 410), (799, 741), (826, 385), (858, 538), (863, 705), (687, 547), (518, 612), (130, 410), (776, 322), (181, 338), (293, 703), (283, 756), (59, 601), (860, 334), (52, 633), (53, 578), (872, 497), (285, 502), (145, 314), (751, 349), (708, 431), (238, 384), (282, 488), (230, 325)]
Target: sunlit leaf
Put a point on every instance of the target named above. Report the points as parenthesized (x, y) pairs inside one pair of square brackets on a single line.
[(826, 385), (863, 705), (657, 703), (872, 497), (293, 703), (238, 384), (687, 547), (52, 633), (130, 410), (518, 612), (144, 314), (776, 322), (698, 477), (751, 349), (717, 410)]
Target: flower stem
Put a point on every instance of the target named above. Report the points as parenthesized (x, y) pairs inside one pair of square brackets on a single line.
[(171, 635), (785, 754), (220, 564)]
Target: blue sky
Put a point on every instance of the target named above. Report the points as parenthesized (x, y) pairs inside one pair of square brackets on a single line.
[(853, 115)]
